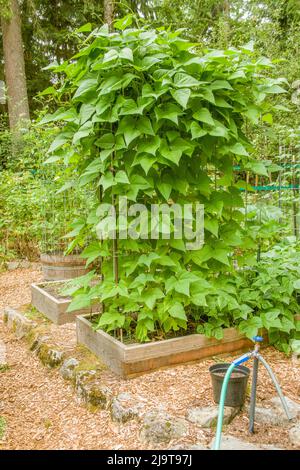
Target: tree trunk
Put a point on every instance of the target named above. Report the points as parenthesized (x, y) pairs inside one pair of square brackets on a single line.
[(14, 66), (109, 12), (227, 22)]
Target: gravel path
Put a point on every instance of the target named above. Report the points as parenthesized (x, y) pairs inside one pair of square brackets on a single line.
[(42, 411), (15, 287), (40, 407)]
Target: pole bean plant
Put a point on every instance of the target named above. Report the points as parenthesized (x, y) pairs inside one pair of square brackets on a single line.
[(148, 116)]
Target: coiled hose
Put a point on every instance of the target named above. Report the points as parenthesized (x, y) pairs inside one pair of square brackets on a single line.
[(235, 363)]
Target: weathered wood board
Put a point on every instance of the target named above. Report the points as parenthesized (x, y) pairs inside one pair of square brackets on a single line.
[(133, 359)]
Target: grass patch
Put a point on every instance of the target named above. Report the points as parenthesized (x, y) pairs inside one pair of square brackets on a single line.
[(85, 355), (2, 427), (87, 360), (48, 423), (33, 314)]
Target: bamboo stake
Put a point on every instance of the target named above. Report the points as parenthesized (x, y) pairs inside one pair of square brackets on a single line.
[(294, 200)]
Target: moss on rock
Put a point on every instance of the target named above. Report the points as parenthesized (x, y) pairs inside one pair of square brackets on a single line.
[(125, 407), (18, 323), (35, 336), (49, 356), (90, 390), (159, 426)]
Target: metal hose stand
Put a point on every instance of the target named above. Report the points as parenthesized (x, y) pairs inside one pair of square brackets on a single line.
[(253, 395), (257, 357), (276, 384)]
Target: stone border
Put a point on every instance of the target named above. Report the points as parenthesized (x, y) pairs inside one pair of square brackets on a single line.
[(86, 382), (23, 264), (18, 323)]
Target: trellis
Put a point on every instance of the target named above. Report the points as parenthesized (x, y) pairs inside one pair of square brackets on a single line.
[(286, 186), (60, 208)]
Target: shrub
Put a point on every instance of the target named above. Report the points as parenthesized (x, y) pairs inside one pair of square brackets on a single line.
[(33, 216), (148, 116), (272, 292)]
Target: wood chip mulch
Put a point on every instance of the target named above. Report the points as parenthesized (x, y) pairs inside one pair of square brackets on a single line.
[(42, 411)]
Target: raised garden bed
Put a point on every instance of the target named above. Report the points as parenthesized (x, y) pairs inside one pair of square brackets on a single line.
[(46, 298), (131, 359)]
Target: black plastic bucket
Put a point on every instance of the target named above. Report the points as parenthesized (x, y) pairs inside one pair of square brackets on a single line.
[(237, 385)]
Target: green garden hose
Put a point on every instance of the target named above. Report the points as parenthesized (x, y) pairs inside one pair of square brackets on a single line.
[(221, 406), (235, 363)]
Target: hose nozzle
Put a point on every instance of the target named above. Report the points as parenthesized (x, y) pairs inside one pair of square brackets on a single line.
[(257, 339)]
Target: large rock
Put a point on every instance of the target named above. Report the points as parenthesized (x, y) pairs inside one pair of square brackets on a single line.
[(35, 339), (49, 354), (189, 447), (67, 370), (17, 264), (296, 359), (16, 322), (274, 415), (159, 426), (207, 417), (125, 407), (90, 390), (11, 265), (270, 416), (233, 443), (294, 408), (294, 435), (197, 447)]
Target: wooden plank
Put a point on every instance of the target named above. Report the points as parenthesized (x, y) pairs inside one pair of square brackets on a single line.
[(101, 344), (177, 345), (44, 303), (55, 309), (130, 360), (133, 368)]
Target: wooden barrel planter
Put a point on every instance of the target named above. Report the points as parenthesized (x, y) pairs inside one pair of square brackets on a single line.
[(45, 297), (57, 267)]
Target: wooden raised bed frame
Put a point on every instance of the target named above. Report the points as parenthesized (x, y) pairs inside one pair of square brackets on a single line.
[(133, 359), (55, 308)]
